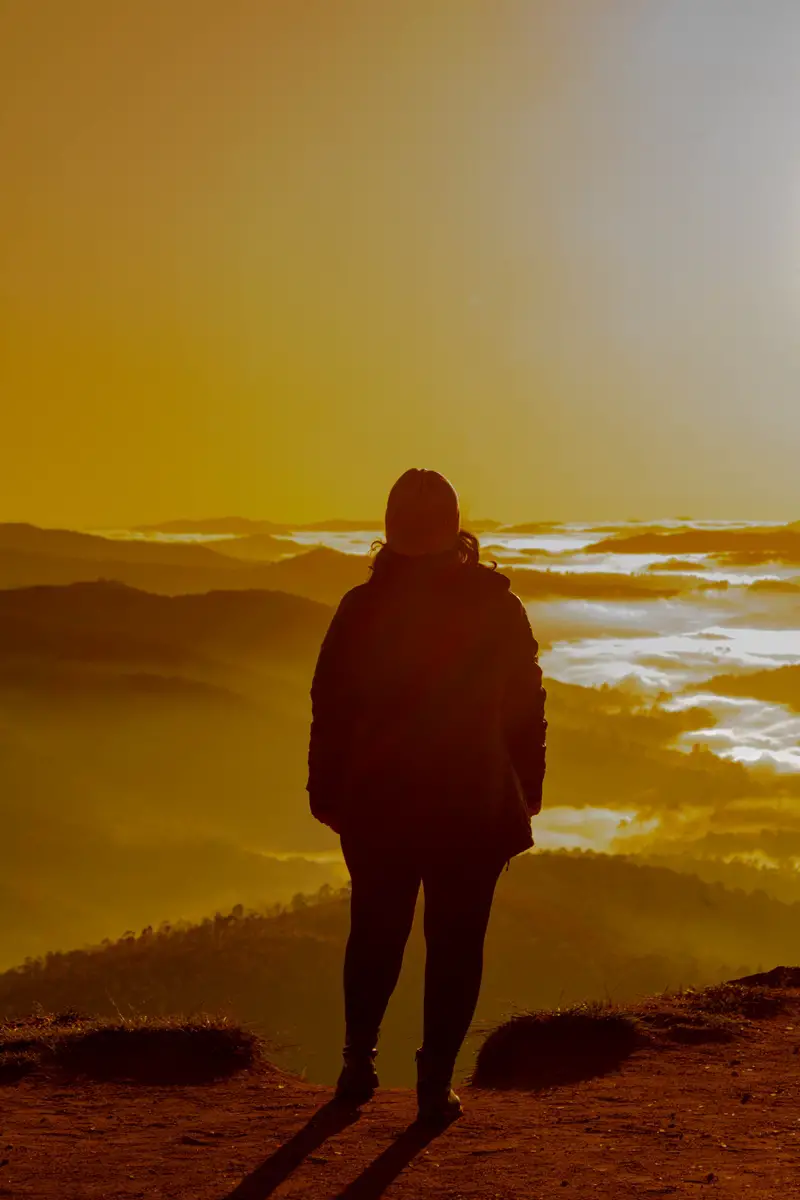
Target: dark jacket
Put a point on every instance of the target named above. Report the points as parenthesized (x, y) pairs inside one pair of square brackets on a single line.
[(428, 712)]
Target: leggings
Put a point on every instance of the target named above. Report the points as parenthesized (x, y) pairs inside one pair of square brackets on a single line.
[(458, 899)]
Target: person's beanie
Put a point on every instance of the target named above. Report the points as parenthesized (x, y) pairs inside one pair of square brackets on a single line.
[(422, 514)]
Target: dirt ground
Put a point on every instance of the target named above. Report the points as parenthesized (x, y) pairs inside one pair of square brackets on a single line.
[(711, 1120)]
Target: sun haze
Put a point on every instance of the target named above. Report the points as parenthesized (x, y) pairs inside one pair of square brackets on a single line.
[(260, 257)]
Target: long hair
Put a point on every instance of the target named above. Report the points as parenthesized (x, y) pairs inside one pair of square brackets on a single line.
[(466, 552)]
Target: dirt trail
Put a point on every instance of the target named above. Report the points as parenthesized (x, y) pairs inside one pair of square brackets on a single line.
[(697, 1121)]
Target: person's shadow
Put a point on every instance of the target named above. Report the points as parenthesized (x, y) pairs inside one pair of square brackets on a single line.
[(329, 1120), (375, 1179)]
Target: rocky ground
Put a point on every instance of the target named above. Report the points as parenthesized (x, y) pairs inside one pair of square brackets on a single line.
[(713, 1118)]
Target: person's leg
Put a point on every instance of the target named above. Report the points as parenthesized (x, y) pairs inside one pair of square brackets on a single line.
[(458, 901), (385, 886)]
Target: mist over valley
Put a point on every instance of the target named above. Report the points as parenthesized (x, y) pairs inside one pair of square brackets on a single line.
[(154, 721)]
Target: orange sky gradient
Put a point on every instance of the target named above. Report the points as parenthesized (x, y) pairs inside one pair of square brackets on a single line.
[(259, 257)]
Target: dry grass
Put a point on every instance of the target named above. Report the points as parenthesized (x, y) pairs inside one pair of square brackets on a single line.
[(71, 1046), (778, 977), (538, 1050), (544, 1049), (755, 1003)]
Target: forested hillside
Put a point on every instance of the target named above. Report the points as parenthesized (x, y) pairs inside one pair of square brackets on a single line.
[(565, 928)]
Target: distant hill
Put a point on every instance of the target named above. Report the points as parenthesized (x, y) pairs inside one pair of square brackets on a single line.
[(340, 525), (255, 547), (172, 568), (532, 584), (109, 622), (565, 929), (265, 563), (238, 526), (532, 527), (152, 755), (322, 574), (88, 547), (737, 874), (779, 685), (243, 526), (780, 543)]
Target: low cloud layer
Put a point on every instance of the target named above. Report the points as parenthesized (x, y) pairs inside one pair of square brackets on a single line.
[(153, 748)]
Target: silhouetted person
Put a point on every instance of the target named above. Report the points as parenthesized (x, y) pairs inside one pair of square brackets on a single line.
[(427, 756)]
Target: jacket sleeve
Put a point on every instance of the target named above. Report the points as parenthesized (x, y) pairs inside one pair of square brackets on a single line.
[(332, 717), (525, 724)]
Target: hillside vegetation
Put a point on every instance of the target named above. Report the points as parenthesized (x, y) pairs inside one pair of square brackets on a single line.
[(565, 929)]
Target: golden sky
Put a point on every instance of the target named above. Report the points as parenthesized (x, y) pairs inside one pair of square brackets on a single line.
[(260, 256)]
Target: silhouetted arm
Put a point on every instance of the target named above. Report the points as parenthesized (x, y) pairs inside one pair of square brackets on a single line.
[(525, 724), (332, 709)]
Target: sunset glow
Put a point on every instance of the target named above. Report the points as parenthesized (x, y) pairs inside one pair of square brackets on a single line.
[(545, 247), (399, 552)]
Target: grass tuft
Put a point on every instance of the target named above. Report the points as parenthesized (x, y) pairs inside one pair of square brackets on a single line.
[(778, 977), (755, 1003), (544, 1049), (155, 1052), (539, 1050)]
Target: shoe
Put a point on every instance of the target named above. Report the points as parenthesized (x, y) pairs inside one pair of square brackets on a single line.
[(438, 1108), (437, 1103), (358, 1081)]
